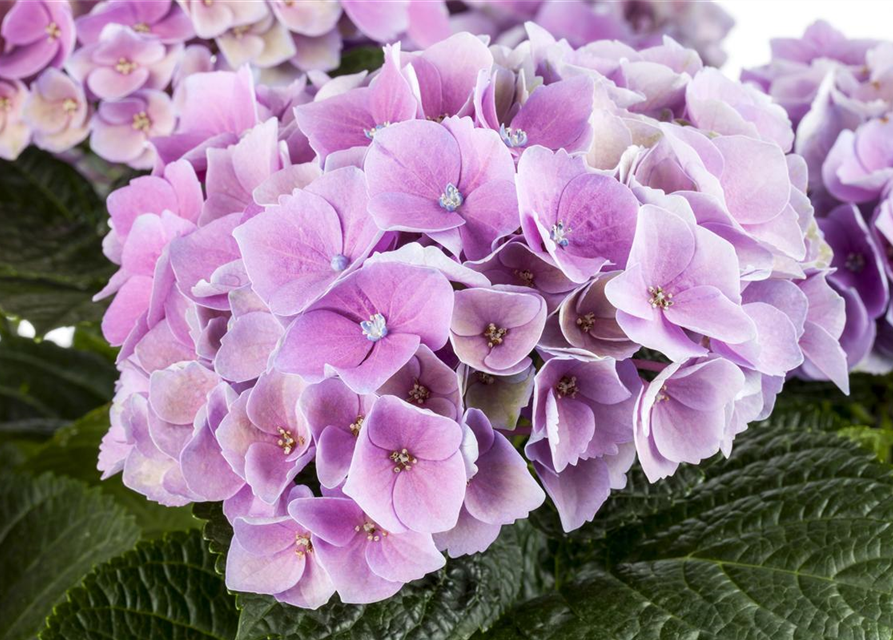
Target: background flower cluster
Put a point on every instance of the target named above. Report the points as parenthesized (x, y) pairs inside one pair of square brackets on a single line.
[(839, 95), (110, 71), (355, 312)]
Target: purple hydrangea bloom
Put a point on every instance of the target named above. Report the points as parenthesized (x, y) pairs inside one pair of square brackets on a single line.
[(369, 325), (276, 556), (365, 561), (335, 416), (15, 134), (295, 251), (451, 181), (36, 34), (493, 330), (264, 438), (683, 414), (679, 276), (427, 382), (500, 491), (576, 219), (57, 111), (860, 164), (407, 472), (122, 130), (161, 19)]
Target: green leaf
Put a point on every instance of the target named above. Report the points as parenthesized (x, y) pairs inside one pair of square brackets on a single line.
[(469, 594), (879, 441), (43, 385), (789, 538), (52, 531), (162, 589), (72, 451), (360, 59), (51, 227)]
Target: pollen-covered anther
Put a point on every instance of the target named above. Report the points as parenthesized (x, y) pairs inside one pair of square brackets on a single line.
[(303, 544), (525, 276), (287, 442), (141, 27), (404, 460), (125, 67), (53, 31), (486, 378), (559, 234), (660, 298), (141, 121), (451, 199), (586, 322), (662, 394), (69, 105), (567, 387), (5, 104), (356, 425), (375, 328), (419, 393), (373, 533), (494, 335)]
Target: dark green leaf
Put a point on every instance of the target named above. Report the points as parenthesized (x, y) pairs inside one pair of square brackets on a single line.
[(52, 531), (469, 594), (790, 538), (43, 385), (72, 451), (360, 59), (51, 226), (164, 589)]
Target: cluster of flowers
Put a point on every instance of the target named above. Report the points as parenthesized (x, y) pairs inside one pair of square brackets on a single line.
[(111, 70), (839, 96), (600, 252)]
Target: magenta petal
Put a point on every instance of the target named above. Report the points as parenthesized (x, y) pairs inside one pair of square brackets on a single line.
[(332, 519), (263, 536), (246, 347), (370, 482), (394, 424), (314, 589), (705, 310), (404, 557), (261, 573), (578, 492), (268, 470), (350, 572), (334, 451), (470, 535), (177, 393), (320, 338), (385, 359), (206, 470), (428, 498)]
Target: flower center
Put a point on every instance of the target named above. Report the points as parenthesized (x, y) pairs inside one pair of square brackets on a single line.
[(208, 3), (451, 199), (586, 322), (372, 531), (855, 262), (141, 121), (5, 104), (53, 31), (513, 138), (659, 298), (559, 234), (494, 335), (370, 133), (356, 425), (567, 386), (141, 27), (303, 544), (486, 378), (661, 395), (241, 30), (374, 328), (419, 393), (125, 67), (287, 442), (525, 276), (403, 459), (339, 262), (69, 105), (437, 119)]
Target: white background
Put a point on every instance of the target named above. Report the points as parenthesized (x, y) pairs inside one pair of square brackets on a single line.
[(757, 21)]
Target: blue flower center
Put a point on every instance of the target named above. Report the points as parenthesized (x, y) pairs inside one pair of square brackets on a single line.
[(513, 138), (451, 199), (559, 234), (374, 328), (339, 262), (370, 133)]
